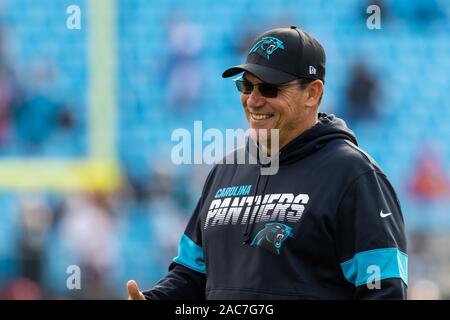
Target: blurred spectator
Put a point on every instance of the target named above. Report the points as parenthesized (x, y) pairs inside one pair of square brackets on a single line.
[(167, 216), (430, 181), (88, 230), (424, 290), (417, 15), (184, 68), (362, 94), (66, 119), (137, 187), (42, 112), (36, 218), (428, 187), (427, 12), (170, 207), (21, 289), (11, 93)]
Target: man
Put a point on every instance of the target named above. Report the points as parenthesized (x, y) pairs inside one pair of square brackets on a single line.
[(327, 225)]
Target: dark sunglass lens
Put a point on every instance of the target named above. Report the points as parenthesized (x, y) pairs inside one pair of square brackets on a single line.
[(247, 87), (268, 90), (244, 86), (239, 85)]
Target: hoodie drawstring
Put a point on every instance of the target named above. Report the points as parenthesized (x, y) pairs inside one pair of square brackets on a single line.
[(247, 233)]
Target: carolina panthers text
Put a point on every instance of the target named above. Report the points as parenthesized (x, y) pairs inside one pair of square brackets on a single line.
[(282, 207)]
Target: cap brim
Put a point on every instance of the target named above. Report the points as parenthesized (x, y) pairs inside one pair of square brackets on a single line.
[(264, 73)]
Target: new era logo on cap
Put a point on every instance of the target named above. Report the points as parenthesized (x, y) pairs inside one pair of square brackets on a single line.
[(312, 70)]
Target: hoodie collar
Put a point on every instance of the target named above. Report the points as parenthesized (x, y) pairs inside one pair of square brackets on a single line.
[(329, 127)]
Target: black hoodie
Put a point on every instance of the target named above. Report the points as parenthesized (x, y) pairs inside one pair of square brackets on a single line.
[(327, 225)]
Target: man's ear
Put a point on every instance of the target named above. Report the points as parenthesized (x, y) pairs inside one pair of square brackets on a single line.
[(314, 92)]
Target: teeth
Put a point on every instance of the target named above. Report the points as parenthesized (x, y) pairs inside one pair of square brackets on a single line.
[(260, 116)]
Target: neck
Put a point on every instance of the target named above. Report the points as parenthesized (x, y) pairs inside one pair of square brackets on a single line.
[(284, 140)]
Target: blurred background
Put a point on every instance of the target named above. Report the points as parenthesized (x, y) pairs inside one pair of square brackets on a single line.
[(86, 117)]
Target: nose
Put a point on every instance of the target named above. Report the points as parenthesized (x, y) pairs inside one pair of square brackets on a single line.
[(255, 99)]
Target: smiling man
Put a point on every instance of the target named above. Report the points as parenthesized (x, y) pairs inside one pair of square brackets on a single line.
[(327, 225)]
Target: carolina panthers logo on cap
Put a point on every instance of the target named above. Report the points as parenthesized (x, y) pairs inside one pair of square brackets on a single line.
[(272, 236), (266, 46)]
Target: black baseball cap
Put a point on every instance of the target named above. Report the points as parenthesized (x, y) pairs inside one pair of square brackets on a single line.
[(281, 55)]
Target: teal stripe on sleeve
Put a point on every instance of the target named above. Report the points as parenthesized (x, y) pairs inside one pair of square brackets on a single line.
[(190, 255), (392, 263)]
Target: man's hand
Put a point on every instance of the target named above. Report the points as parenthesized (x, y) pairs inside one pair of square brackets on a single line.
[(133, 291)]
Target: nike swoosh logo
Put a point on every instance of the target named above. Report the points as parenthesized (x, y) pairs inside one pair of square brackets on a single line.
[(384, 215)]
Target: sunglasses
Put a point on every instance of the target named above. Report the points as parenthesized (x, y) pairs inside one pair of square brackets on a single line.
[(267, 90)]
